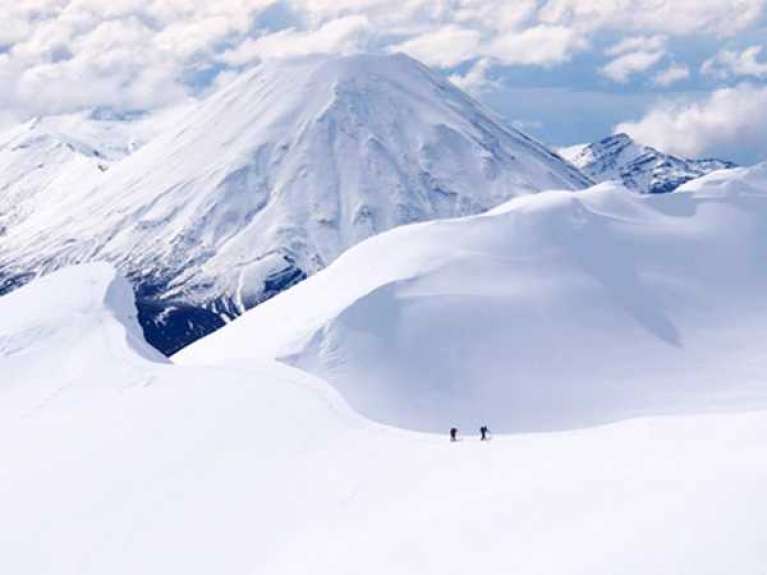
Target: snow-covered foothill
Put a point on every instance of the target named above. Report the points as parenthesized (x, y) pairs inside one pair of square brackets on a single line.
[(552, 311)]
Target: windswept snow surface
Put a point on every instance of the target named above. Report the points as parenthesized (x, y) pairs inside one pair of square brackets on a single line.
[(139, 466), (552, 311), (270, 179)]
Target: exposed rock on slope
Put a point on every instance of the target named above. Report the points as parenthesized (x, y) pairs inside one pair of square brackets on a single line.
[(639, 168)]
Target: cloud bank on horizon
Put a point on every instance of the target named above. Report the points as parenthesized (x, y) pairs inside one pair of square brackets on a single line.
[(687, 76)]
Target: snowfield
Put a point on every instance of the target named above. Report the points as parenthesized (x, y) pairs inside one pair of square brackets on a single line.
[(139, 466), (555, 312)]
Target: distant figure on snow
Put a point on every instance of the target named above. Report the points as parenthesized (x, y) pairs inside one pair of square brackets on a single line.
[(453, 434), (483, 431)]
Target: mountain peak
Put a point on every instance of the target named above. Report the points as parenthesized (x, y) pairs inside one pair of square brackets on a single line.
[(640, 168), (618, 138), (268, 180)]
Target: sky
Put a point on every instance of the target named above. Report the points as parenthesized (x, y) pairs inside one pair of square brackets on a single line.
[(686, 76)]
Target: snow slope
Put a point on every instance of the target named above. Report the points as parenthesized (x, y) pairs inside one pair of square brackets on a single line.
[(34, 159), (82, 320), (268, 180), (639, 168), (552, 311), (48, 162), (145, 467)]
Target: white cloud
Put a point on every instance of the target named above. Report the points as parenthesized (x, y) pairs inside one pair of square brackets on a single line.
[(543, 45), (106, 66), (56, 55), (12, 29), (671, 75), (445, 47), (341, 36), (728, 119), (673, 17), (728, 63), (122, 53), (637, 43), (494, 15), (623, 67), (633, 55), (476, 80)]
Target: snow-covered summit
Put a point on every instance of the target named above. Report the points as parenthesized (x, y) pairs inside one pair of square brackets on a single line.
[(270, 179), (639, 168)]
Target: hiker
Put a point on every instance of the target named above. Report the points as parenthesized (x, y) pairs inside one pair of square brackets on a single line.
[(483, 431), (453, 434)]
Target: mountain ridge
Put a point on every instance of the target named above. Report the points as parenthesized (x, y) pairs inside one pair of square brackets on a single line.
[(640, 168)]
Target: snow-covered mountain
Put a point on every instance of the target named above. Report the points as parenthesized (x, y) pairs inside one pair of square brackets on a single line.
[(271, 178), (46, 160), (552, 311), (116, 462), (35, 158), (639, 168)]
